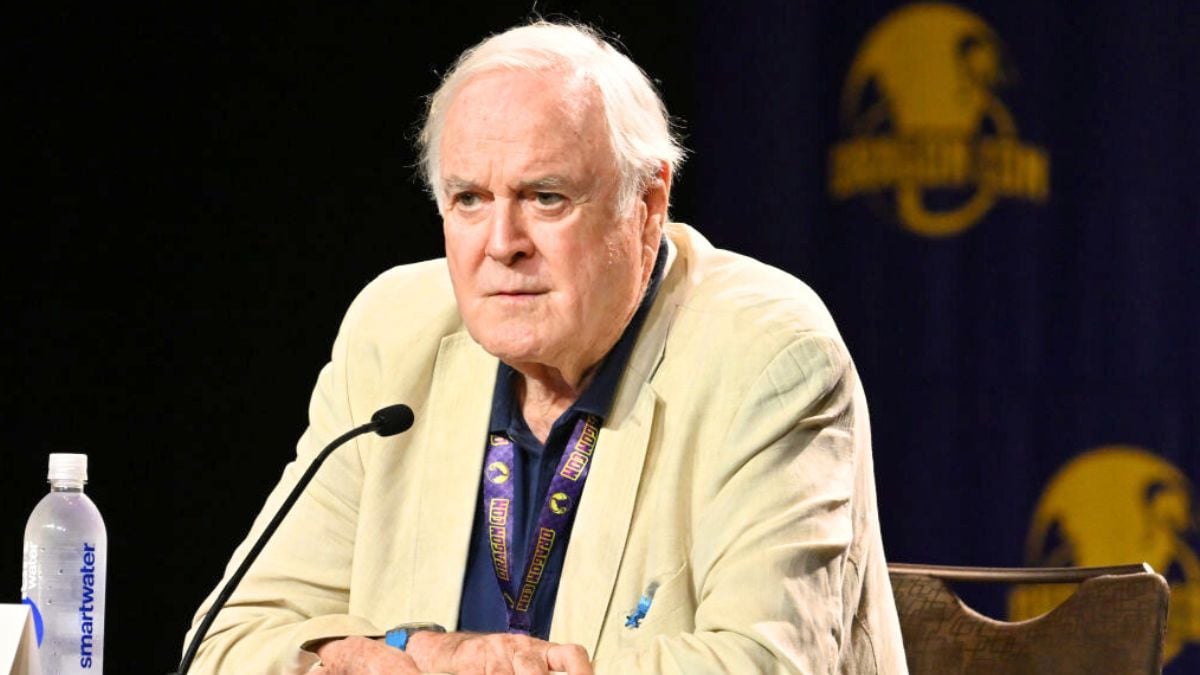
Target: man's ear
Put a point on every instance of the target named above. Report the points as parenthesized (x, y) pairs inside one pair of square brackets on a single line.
[(657, 197)]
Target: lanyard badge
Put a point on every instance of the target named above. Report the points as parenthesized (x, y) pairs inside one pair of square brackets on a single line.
[(553, 524)]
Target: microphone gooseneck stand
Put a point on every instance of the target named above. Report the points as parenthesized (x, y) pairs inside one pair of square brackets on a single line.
[(387, 421)]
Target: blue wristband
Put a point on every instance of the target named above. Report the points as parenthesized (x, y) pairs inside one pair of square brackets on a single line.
[(398, 637)]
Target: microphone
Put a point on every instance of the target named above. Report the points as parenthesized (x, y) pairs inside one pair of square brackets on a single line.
[(389, 421), (392, 420)]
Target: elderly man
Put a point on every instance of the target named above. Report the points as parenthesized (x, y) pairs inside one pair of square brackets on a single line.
[(634, 453)]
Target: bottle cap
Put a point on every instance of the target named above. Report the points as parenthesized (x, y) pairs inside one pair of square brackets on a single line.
[(64, 466)]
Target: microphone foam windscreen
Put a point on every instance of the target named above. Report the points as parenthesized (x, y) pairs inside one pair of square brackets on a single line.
[(392, 420)]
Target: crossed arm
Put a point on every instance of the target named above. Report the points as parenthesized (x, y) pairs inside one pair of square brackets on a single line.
[(465, 653)]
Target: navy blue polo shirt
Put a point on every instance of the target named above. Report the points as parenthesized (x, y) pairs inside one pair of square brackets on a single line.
[(482, 609)]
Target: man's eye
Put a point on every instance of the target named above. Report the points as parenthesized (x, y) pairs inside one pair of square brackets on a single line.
[(467, 199), (548, 198)]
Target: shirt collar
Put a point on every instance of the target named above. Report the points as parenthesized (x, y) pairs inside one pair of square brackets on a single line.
[(598, 396)]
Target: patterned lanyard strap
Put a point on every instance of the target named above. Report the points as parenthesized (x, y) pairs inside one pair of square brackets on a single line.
[(554, 522)]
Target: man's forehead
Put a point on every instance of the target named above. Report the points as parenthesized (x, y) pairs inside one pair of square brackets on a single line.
[(543, 130), (509, 100)]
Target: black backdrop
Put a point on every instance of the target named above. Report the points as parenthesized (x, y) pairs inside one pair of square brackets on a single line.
[(197, 193)]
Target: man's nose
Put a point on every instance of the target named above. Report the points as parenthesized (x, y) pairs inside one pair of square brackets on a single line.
[(508, 237)]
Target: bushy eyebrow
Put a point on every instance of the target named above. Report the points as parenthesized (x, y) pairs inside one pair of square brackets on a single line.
[(551, 183), (454, 184)]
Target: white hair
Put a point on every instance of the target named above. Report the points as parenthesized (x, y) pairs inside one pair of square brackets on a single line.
[(638, 124)]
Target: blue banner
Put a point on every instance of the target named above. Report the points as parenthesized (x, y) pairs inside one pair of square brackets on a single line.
[(998, 201)]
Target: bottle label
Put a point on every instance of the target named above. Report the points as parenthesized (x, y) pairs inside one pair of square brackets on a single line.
[(87, 608)]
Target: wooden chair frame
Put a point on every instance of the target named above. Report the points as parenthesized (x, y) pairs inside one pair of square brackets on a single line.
[(1115, 622)]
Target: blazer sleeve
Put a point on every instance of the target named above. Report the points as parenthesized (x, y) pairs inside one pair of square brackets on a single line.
[(770, 553), (299, 588)]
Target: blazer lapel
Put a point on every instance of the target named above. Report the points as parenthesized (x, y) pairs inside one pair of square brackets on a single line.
[(601, 526), (459, 407)]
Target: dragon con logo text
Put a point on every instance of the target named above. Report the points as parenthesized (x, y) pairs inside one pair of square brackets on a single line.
[(927, 136)]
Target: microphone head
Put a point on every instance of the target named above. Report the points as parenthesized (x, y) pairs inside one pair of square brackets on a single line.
[(392, 420)]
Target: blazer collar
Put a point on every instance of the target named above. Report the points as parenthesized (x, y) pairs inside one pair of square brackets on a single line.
[(652, 340)]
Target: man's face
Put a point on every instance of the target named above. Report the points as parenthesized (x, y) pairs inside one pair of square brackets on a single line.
[(546, 270)]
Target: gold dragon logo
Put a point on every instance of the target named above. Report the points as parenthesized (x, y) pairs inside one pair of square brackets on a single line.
[(1111, 506), (925, 125)]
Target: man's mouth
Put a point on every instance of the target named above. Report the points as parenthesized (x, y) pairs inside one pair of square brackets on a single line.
[(515, 293)]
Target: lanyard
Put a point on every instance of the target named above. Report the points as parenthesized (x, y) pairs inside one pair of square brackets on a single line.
[(553, 524)]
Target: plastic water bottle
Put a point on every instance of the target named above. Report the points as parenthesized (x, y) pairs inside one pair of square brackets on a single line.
[(66, 556)]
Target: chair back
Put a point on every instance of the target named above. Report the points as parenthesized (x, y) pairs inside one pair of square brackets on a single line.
[(1115, 622)]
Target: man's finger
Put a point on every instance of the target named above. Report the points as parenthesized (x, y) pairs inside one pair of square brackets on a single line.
[(402, 665), (572, 659)]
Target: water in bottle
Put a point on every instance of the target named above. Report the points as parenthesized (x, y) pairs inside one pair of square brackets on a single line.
[(66, 556)]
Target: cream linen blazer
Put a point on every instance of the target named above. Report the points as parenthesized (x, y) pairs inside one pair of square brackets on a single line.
[(732, 480)]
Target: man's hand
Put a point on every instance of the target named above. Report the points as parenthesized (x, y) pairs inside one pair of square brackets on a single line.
[(494, 654), (361, 656)]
